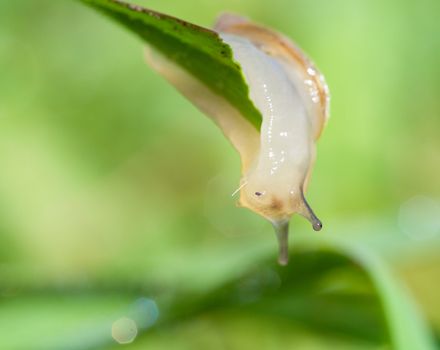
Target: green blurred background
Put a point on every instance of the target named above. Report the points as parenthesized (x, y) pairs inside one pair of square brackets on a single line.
[(115, 190)]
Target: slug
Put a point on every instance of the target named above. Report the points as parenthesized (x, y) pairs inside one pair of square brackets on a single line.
[(293, 99)]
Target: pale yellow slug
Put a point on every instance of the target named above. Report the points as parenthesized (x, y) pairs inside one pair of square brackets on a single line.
[(293, 99)]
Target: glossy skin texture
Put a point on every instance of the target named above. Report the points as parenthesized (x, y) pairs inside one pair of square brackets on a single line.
[(274, 184), (275, 181)]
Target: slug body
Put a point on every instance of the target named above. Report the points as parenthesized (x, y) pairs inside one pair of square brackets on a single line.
[(274, 183), (293, 99), (273, 186)]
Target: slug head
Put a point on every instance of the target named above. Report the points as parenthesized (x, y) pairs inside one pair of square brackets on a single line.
[(276, 198), (277, 204)]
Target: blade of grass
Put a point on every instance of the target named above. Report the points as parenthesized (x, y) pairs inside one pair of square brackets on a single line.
[(198, 50)]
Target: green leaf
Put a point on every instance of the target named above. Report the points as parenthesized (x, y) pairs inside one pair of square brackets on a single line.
[(405, 324), (331, 293), (198, 50), (332, 288)]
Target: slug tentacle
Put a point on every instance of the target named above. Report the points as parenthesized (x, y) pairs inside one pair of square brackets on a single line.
[(308, 213), (282, 233)]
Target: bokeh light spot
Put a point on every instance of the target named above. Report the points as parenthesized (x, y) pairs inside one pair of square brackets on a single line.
[(145, 312), (419, 217), (124, 330)]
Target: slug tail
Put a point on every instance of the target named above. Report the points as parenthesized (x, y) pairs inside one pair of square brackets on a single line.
[(282, 232), (308, 213)]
